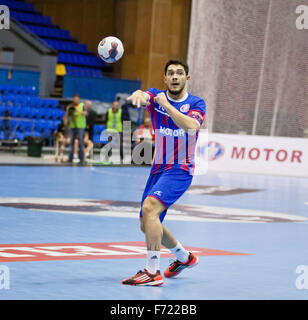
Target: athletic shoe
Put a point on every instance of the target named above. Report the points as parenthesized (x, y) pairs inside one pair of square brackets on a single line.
[(176, 266), (144, 278)]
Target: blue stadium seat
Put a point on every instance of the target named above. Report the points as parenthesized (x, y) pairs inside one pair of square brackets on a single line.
[(70, 51), (46, 128), (39, 125), (50, 103), (32, 113), (50, 32), (7, 98), (2, 111), (14, 124), (25, 112), (41, 113), (57, 114), (15, 112), (29, 91), (33, 18), (48, 113), (19, 136), (19, 100), (54, 103), (34, 102), (37, 113), (6, 89), (27, 127), (20, 5), (49, 124)]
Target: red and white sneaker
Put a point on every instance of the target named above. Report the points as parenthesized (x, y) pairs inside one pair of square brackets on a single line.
[(176, 266), (144, 278)]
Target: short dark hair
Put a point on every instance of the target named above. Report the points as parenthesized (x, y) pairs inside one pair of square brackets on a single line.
[(177, 62), (76, 95)]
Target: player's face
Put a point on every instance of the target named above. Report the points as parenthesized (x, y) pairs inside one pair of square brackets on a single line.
[(175, 79)]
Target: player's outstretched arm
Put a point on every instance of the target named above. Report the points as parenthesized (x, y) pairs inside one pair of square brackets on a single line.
[(139, 98)]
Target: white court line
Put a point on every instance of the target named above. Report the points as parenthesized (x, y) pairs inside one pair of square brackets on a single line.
[(111, 173)]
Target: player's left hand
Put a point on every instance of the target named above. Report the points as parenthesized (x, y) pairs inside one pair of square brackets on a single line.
[(161, 99)]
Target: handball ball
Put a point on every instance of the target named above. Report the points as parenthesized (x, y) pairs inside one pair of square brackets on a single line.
[(110, 49)]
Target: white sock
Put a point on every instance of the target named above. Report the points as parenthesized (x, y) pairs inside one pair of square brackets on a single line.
[(153, 261), (180, 253)]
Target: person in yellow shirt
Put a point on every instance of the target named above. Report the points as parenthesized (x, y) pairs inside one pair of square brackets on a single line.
[(114, 123), (76, 117)]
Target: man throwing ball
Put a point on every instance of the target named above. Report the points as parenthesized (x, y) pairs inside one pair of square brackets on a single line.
[(176, 117)]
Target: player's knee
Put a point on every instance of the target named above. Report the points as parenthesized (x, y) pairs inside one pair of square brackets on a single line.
[(148, 209)]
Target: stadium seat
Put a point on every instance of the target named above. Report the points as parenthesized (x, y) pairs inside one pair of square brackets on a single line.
[(29, 91), (48, 114), (25, 112), (27, 127), (34, 102), (19, 135), (14, 124), (6, 89), (70, 51), (39, 125), (19, 5), (36, 113), (2, 111), (32, 113), (15, 112)]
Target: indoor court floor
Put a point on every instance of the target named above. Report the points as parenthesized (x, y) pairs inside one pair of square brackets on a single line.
[(73, 233)]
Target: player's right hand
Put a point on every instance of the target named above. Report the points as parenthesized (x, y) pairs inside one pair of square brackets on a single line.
[(139, 98)]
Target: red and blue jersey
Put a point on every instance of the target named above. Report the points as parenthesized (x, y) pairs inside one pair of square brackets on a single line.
[(174, 147)]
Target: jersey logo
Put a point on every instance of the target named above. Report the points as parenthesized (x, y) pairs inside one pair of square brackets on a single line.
[(184, 108), (159, 193), (170, 132), (161, 110)]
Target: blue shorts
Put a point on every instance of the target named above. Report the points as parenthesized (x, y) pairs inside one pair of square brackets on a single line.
[(167, 187)]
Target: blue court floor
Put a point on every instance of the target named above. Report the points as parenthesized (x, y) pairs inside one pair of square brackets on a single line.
[(264, 217)]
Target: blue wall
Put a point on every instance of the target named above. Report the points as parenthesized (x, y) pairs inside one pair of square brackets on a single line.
[(103, 89), (20, 77)]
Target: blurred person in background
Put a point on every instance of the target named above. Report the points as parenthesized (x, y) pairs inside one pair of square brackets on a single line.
[(76, 114), (88, 133), (90, 121), (114, 123), (145, 132), (62, 139)]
